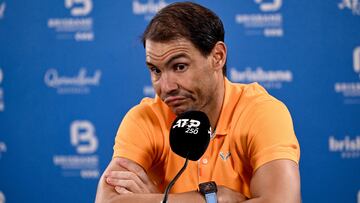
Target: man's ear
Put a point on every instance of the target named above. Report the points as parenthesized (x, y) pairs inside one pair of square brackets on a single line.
[(219, 55)]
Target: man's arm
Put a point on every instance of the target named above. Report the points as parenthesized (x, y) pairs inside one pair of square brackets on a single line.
[(106, 192), (276, 181), (126, 181), (132, 185)]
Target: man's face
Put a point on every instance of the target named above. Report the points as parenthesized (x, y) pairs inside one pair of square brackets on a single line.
[(181, 76)]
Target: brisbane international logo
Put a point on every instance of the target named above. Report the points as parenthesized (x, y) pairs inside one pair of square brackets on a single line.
[(268, 22), (351, 89)]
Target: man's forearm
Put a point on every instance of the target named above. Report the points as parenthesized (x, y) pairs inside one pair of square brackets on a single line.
[(157, 198)]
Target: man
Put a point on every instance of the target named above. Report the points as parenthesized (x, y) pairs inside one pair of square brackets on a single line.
[(253, 154)]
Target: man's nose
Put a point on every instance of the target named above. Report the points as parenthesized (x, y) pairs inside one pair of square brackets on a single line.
[(168, 83)]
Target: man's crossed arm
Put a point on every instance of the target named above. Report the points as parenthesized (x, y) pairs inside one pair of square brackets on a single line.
[(126, 181)]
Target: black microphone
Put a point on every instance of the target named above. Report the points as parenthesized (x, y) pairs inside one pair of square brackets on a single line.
[(189, 138)]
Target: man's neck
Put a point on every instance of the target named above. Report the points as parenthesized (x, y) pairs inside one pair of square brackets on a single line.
[(215, 110)]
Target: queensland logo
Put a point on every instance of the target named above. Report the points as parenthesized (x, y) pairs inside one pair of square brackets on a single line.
[(79, 26), (271, 79), (267, 23), (148, 9), (85, 163), (348, 147), (2, 148), (352, 5), (77, 84), (2, 9), (351, 90)]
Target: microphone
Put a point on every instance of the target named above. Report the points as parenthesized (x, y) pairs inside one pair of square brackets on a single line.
[(189, 138)]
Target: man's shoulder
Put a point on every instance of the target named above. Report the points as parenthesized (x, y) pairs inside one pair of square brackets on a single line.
[(149, 108), (249, 94)]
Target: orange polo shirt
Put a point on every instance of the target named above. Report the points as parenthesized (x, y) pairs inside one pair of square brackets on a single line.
[(253, 129)]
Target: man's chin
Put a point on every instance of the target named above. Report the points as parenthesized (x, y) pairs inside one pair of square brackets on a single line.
[(179, 110)]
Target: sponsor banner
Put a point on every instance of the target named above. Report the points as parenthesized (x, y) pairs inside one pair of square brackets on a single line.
[(80, 83), (268, 22), (350, 90), (85, 162), (2, 103), (78, 25), (350, 5), (3, 149), (147, 8), (270, 79), (2, 9), (348, 147)]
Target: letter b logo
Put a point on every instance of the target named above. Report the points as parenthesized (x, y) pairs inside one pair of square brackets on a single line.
[(82, 136)]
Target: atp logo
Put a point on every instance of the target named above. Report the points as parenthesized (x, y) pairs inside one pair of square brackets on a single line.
[(267, 6), (82, 136), (191, 125), (353, 5), (79, 7), (356, 58), (2, 9)]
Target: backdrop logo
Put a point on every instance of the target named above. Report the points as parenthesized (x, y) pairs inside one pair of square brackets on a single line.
[(348, 147), (353, 5), (85, 163), (83, 137), (351, 90), (2, 103), (356, 58), (273, 5), (79, 7), (79, 26), (2, 148), (267, 23), (148, 9), (270, 79), (1, 76), (2, 9), (77, 84), (148, 91)]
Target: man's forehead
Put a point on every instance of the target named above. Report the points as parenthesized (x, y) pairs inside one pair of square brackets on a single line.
[(161, 50)]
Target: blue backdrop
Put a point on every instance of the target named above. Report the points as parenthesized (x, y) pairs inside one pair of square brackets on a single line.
[(71, 69)]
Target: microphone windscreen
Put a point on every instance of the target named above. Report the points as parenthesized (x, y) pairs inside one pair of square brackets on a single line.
[(190, 134)]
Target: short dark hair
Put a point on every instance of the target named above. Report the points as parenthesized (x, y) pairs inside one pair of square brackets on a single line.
[(202, 27)]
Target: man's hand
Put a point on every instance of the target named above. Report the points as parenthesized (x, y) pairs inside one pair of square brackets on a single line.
[(131, 180), (227, 195)]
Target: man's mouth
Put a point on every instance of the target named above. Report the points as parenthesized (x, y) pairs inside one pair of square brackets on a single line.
[(174, 100)]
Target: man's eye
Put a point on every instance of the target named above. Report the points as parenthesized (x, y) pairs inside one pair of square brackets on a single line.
[(155, 70), (180, 67)]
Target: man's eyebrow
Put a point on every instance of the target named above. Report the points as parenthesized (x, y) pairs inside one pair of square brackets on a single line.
[(180, 55)]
